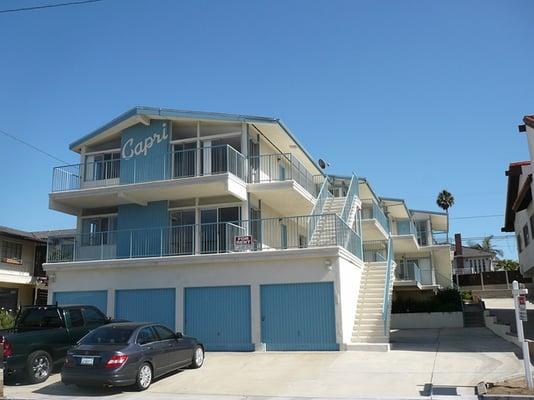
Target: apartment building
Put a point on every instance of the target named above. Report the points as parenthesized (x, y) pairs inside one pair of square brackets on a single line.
[(22, 279), (224, 227), (519, 214)]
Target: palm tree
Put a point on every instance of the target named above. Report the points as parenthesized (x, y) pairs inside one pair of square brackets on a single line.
[(487, 245), (445, 201)]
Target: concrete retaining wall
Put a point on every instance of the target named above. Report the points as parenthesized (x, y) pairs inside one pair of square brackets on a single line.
[(427, 320)]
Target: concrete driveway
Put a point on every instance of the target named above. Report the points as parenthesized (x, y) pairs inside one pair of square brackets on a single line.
[(450, 358)]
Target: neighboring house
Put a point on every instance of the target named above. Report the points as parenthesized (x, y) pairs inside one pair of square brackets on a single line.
[(519, 215), (223, 226), (22, 279), (468, 260)]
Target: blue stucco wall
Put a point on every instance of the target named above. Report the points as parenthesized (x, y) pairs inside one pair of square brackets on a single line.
[(145, 152), (139, 229)]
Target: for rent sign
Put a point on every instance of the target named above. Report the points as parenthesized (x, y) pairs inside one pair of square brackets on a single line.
[(242, 243)]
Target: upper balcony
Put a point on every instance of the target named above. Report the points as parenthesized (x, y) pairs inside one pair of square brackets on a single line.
[(310, 231), (375, 224), (280, 179)]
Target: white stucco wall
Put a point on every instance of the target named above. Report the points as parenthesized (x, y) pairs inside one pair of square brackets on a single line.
[(427, 320), (287, 266)]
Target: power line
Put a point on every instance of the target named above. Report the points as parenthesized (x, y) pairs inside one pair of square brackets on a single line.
[(32, 146), (71, 3), (479, 216)]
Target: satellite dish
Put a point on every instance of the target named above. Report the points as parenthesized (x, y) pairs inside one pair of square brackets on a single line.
[(323, 164)]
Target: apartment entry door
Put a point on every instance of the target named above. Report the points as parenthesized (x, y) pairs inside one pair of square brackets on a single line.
[(218, 228)]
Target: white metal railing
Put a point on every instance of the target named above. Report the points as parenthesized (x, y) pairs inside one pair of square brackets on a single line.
[(267, 234)]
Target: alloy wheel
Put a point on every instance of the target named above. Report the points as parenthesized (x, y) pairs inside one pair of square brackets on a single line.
[(145, 376), (41, 367)]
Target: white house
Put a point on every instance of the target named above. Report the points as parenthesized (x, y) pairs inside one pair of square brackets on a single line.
[(224, 227)]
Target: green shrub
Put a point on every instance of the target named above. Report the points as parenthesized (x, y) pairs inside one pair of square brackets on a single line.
[(446, 300), (7, 320), (467, 295)]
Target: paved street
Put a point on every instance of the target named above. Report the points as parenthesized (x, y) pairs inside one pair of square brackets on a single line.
[(449, 358)]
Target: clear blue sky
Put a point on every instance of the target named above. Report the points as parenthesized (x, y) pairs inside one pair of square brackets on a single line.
[(416, 96)]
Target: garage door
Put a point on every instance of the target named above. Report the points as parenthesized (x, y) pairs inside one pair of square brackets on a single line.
[(146, 305), (219, 317), (97, 298), (298, 316)]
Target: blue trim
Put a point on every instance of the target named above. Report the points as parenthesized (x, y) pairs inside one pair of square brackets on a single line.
[(168, 112)]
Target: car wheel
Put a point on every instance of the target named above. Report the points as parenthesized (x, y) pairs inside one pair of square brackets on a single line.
[(198, 357), (144, 377), (39, 366)]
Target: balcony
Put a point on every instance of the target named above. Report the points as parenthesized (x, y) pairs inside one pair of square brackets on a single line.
[(213, 238), (405, 237), (375, 251), (281, 179), (220, 169), (375, 224), (283, 182), (408, 274)]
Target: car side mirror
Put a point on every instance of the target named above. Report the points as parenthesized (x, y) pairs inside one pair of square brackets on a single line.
[(179, 335)]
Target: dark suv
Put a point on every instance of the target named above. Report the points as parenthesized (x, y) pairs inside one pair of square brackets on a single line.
[(42, 335)]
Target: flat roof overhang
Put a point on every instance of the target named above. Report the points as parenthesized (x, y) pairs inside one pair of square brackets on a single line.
[(142, 193)]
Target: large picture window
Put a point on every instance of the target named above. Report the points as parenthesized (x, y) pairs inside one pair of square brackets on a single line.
[(10, 252)]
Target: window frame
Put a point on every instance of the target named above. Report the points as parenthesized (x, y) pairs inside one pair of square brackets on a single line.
[(7, 250)]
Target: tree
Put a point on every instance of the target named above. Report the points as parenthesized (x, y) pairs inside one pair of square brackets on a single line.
[(507, 265), (487, 245), (445, 200)]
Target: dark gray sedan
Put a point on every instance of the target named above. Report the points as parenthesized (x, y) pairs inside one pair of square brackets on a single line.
[(127, 353)]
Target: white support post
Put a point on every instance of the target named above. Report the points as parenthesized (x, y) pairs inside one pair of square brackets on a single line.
[(520, 335), (482, 280)]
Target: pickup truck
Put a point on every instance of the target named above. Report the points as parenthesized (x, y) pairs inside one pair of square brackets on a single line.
[(42, 335)]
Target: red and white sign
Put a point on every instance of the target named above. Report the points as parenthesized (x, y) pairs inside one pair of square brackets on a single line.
[(243, 242), (522, 301)]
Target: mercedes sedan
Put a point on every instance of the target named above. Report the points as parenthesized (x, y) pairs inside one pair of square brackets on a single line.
[(128, 353)]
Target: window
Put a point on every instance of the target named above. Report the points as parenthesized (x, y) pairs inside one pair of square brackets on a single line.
[(75, 316), (99, 230), (108, 335), (11, 252), (526, 235), (102, 166), (40, 318), (146, 335), (164, 333), (484, 264), (92, 316), (519, 250)]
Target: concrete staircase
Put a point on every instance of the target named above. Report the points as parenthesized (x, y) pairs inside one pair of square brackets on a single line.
[(368, 332), (473, 316), (325, 230)]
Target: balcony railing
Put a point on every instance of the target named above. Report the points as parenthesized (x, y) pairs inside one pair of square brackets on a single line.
[(213, 238), (178, 164), (406, 227), (282, 167), (375, 251), (408, 271), (375, 212), (186, 164)]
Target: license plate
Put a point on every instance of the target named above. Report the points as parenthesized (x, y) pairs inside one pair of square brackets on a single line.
[(87, 361)]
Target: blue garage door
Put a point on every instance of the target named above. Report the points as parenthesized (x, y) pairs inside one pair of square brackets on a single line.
[(298, 316), (146, 305), (219, 317), (97, 298)]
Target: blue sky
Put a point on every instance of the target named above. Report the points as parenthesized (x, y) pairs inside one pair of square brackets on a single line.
[(416, 96)]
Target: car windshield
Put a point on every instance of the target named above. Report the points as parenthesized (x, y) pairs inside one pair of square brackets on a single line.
[(108, 335)]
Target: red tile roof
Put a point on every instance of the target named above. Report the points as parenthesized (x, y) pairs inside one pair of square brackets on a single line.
[(529, 120)]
